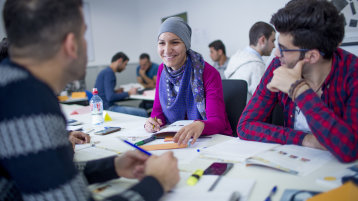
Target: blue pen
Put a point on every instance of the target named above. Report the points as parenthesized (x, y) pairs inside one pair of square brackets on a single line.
[(135, 146), (272, 192)]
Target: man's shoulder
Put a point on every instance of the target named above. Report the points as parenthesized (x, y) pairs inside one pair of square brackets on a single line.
[(106, 71), (155, 65), (10, 73), (349, 59), (22, 94)]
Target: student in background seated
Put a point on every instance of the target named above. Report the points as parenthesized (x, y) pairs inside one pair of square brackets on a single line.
[(218, 55), (315, 81), (106, 82), (147, 72), (247, 64), (36, 158), (187, 87)]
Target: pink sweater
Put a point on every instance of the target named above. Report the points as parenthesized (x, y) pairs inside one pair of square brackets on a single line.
[(217, 121)]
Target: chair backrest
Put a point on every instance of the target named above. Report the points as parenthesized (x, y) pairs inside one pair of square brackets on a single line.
[(235, 93)]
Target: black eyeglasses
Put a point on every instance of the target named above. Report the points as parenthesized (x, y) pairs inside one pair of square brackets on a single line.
[(295, 50), (291, 50)]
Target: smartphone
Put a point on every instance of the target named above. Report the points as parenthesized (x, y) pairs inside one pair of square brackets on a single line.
[(218, 168), (107, 131)]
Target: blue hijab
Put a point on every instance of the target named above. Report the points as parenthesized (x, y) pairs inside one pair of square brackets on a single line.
[(181, 92)]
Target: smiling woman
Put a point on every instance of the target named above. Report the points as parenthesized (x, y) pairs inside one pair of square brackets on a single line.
[(187, 87)]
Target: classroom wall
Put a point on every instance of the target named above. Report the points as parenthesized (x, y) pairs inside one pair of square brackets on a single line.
[(228, 20)]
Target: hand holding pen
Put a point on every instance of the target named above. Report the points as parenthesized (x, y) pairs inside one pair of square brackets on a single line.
[(153, 125), (164, 167)]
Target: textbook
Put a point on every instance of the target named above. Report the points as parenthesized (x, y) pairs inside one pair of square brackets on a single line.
[(293, 159)]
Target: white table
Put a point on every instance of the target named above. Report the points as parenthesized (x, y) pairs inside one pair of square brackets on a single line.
[(141, 97), (265, 178)]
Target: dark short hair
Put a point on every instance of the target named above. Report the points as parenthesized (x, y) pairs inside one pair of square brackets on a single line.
[(260, 29), (38, 27), (119, 55), (4, 45), (218, 45), (144, 56), (313, 24)]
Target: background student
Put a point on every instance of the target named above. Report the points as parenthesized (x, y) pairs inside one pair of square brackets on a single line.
[(247, 64), (106, 82), (218, 55)]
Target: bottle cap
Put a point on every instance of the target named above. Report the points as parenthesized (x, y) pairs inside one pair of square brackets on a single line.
[(94, 91)]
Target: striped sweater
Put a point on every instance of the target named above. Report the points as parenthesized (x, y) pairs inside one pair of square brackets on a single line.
[(36, 157)]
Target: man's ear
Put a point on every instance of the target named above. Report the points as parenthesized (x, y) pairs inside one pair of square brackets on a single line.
[(220, 52), (312, 56), (119, 61), (70, 45), (261, 41)]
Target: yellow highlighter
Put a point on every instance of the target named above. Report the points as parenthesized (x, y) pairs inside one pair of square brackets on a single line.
[(193, 179), (155, 119)]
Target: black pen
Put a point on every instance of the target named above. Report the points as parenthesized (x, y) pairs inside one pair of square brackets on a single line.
[(145, 141)]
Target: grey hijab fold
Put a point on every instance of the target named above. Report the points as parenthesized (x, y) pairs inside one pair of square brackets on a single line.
[(177, 26)]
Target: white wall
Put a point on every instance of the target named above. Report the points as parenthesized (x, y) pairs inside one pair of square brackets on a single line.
[(228, 20), (132, 26)]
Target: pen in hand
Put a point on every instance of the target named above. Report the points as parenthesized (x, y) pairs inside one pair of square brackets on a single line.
[(155, 119), (272, 192)]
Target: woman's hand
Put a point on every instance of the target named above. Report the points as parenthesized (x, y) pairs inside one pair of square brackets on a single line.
[(192, 130), (153, 125)]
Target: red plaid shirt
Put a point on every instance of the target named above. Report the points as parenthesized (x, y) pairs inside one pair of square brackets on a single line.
[(333, 118)]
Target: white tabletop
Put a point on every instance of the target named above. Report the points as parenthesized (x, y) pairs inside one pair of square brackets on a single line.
[(265, 178)]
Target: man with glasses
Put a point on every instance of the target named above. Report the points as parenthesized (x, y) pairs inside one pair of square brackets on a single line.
[(314, 80)]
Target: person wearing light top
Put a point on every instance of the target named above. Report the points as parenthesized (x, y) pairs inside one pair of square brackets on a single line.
[(218, 55), (247, 64), (187, 87)]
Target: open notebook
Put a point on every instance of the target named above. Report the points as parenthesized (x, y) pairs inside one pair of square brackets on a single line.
[(292, 159)]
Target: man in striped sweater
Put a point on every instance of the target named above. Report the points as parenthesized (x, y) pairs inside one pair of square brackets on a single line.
[(47, 50)]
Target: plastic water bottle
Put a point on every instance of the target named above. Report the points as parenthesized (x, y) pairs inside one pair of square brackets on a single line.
[(96, 104)]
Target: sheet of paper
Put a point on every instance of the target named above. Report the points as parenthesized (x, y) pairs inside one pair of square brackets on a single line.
[(176, 126), (301, 159), (134, 132), (92, 153), (127, 87), (235, 150), (182, 191)]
